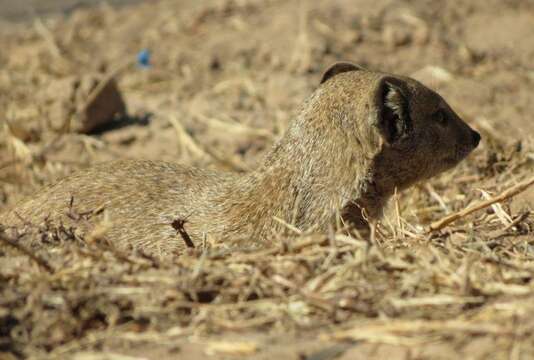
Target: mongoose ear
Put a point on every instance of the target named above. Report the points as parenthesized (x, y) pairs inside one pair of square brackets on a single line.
[(338, 68), (393, 107)]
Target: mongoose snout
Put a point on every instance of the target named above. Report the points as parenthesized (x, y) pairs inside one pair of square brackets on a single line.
[(360, 136)]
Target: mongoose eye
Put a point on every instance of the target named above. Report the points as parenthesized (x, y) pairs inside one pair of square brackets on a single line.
[(441, 117)]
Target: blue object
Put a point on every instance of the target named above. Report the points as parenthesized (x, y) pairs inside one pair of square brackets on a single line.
[(143, 58)]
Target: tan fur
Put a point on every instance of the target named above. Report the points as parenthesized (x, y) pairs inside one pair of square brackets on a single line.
[(359, 136)]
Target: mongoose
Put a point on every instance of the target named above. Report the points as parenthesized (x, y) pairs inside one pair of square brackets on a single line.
[(358, 137)]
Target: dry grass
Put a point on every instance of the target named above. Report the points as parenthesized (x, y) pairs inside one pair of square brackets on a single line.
[(452, 262)]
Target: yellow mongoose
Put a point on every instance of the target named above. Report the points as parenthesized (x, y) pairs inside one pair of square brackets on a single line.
[(359, 136)]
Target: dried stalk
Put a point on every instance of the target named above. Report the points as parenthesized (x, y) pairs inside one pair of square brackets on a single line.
[(513, 191)]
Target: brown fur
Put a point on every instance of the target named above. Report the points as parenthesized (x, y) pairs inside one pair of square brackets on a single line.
[(359, 136)]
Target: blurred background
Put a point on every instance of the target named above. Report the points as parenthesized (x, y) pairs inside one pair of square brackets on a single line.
[(214, 82), (27, 9)]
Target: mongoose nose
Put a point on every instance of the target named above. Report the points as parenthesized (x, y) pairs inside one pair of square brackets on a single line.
[(476, 138)]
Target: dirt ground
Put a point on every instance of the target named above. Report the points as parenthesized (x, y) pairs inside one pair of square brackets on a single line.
[(224, 79)]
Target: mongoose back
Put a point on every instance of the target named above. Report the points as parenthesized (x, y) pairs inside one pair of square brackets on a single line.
[(358, 137)]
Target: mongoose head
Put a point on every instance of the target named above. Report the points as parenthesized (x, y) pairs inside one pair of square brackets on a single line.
[(410, 131)]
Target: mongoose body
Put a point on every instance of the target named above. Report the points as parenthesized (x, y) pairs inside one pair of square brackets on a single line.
[(357, 138)]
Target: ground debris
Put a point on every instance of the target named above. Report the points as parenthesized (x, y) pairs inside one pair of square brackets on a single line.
[(218, 93)]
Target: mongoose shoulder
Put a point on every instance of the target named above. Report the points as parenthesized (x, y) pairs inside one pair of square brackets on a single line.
[(358, 137)]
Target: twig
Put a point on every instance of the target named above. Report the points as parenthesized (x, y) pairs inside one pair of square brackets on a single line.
[(19, 247), (514, 190), (287, 225), (200, 151), (178, 225), (517, 220), (232, 126), (504, 230), (229, 162), (48, 37), (185, 140)]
